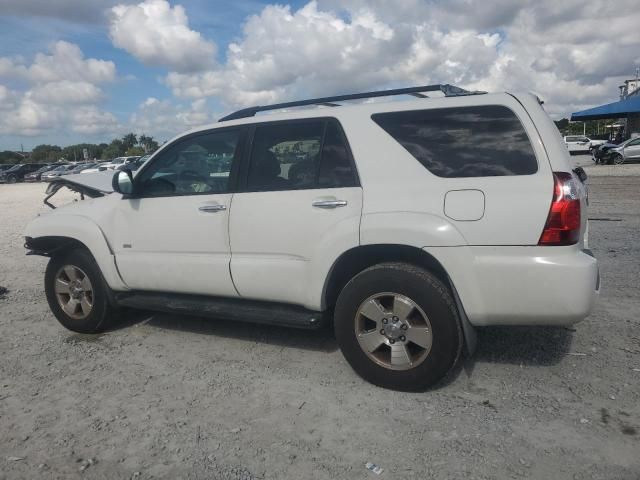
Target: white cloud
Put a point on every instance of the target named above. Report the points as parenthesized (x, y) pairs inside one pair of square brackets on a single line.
[(158, 34), (557, 49), (66, 92), (91, 120), (164, 118), (8, 98), (29, 118), (66, 62), (60, 91)]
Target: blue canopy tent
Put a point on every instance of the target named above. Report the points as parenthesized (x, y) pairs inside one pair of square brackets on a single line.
[(619, 109)]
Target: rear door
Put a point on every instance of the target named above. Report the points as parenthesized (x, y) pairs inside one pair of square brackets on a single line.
[(301, 202)]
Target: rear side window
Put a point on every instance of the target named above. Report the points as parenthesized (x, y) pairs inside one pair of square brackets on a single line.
[(335, 168), (481, 141), (299, 155)]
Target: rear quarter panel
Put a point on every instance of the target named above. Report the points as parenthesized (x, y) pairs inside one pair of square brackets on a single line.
[(394, 182)]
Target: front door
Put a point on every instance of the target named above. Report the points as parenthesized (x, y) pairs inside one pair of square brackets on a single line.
[(173, 234), (300, 208)]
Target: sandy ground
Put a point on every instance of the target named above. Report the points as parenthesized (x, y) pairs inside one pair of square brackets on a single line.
[(175, 397)]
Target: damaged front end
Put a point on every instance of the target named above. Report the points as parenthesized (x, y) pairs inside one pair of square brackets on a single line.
[(92, 185)]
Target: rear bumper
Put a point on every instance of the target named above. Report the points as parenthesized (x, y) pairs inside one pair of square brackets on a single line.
[(523, 285)]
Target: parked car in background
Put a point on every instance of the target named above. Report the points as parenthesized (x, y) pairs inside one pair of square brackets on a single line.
[(37, 175), (408, 223), (134, 164), (100, 166), (116, 162), (610, 153), (80, 167), (581, 144), (17, 172), (56, 172)]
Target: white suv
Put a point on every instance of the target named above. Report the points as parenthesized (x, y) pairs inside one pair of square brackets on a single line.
[(407, 223)]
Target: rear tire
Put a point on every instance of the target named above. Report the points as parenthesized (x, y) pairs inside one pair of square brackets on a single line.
[(77, 293), (408, 303)]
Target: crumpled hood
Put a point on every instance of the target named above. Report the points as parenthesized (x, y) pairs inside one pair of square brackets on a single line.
[(99, 182)]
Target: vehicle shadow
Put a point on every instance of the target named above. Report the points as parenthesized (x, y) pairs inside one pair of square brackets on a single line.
[(527, 346), (530, 346), (321, 339)]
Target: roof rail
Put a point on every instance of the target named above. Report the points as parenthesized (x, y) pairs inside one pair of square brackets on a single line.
[(448, 90)]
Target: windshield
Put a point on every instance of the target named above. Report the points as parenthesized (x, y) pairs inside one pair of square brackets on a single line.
[(15, 167), (43, 169)]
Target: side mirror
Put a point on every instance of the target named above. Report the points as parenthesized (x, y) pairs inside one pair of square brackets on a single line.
[(122, 182)]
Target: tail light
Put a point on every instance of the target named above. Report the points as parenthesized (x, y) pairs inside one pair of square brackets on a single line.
[(563, 222)]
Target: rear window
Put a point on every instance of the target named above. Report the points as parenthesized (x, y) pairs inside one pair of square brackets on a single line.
[(481, 141)]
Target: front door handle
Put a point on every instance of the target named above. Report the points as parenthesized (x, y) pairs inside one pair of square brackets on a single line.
[(212, 208), (329, 203)]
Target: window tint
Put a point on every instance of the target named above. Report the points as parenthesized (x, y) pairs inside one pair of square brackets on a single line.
[(285, 155), (478, 141), (335, 166), (200, 164), (299, 155)]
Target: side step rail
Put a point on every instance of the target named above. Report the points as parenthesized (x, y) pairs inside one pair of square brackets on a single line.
[(224, 308)]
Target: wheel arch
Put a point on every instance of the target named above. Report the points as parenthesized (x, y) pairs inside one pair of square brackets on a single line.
[(55, 233), (359, 258)]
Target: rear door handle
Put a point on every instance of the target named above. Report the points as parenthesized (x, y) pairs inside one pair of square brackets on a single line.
[(329, 203), (212, 208)]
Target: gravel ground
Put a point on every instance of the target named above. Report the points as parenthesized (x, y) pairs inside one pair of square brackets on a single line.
[(175, 397)]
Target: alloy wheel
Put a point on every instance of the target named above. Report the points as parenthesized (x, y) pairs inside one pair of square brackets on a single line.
[(74, 292), (393, 331)]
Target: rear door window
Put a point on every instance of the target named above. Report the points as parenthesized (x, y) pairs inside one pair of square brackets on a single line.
[(299, 155), (480, 141)]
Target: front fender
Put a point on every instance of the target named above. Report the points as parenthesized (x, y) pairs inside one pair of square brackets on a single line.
[(85, 231)]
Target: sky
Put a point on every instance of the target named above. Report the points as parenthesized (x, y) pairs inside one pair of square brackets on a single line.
[(76, 71)]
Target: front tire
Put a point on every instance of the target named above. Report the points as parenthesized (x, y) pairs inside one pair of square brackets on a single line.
[(398, 327), (77, 293), (12, 179), (618, 159)]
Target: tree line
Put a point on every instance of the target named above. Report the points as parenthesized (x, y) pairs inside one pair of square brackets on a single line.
[(129, 144)]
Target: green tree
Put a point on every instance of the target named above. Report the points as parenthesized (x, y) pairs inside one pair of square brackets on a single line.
[(135, 151), (148, 143), (45, 153), (10, 157), (114, 149), (129, 140), (75, 152)]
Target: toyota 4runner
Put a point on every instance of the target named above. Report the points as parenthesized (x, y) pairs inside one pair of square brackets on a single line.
[(408, 223)]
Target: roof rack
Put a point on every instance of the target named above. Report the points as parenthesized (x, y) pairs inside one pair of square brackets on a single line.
[(448, 90)]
